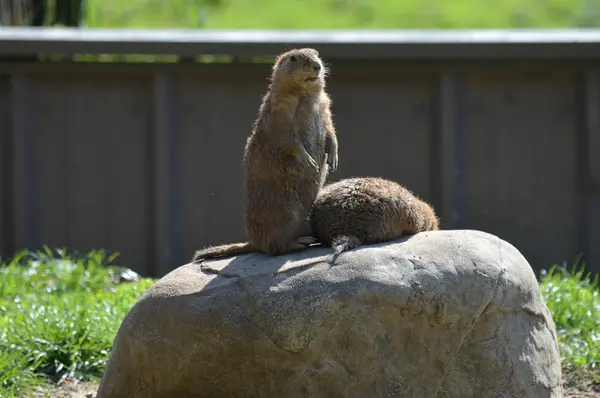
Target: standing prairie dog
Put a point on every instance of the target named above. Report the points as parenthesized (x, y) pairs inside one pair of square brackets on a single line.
[(287, 158), (357, 211)]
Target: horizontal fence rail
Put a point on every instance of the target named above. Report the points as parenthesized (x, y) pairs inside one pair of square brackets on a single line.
[(499, 130), (367, 44)]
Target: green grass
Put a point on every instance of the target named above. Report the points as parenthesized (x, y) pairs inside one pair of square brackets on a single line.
[(343, 14), (573, 298), (58, 317), (59, 314)]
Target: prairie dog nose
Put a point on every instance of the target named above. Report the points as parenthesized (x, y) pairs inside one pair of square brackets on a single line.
[(312, 65)]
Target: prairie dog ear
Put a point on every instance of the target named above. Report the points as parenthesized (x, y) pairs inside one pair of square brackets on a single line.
[(278, 61), (282, 59), (312, 50)]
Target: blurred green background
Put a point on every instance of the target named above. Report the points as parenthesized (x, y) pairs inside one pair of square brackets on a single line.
[(330, 14), (343, 14)]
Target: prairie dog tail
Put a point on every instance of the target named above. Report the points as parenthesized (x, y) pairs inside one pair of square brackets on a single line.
[(341, 244), (221, 251)]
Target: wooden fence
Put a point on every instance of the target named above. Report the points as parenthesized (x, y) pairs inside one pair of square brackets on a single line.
[(499, 130)]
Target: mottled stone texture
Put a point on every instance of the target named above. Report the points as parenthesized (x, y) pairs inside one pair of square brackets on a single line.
[(436, 314)]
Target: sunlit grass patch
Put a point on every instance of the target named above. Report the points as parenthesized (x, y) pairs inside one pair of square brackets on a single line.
[(573, 298), (58, 317)]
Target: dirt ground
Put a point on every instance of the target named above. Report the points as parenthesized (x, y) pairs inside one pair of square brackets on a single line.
[(576, 385), (68, 389), (581, 384)]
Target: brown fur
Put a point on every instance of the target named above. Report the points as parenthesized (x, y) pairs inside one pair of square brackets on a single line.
[(287, 158), (358, 211)]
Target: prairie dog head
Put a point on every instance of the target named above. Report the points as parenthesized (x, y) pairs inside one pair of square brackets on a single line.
[(301, 68)]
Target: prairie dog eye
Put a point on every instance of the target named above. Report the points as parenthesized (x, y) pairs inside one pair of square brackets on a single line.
[(293, 58)]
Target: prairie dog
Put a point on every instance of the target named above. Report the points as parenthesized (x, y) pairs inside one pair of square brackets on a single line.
[(292, 148), (357, 211)]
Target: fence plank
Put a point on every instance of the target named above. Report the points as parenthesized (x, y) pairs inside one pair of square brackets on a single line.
[(384, 127), (521, 160), (216, 119), (26, 151), (166, 158), (6, 233), (453, 139), (592, 125), (94, 163), (588, 171)]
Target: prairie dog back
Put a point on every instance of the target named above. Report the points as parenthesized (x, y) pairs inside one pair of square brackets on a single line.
[(357, 211)]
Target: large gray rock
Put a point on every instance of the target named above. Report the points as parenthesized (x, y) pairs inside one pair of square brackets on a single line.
[(437, 314)]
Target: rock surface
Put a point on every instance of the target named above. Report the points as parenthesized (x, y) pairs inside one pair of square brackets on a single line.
[(436, 314)]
